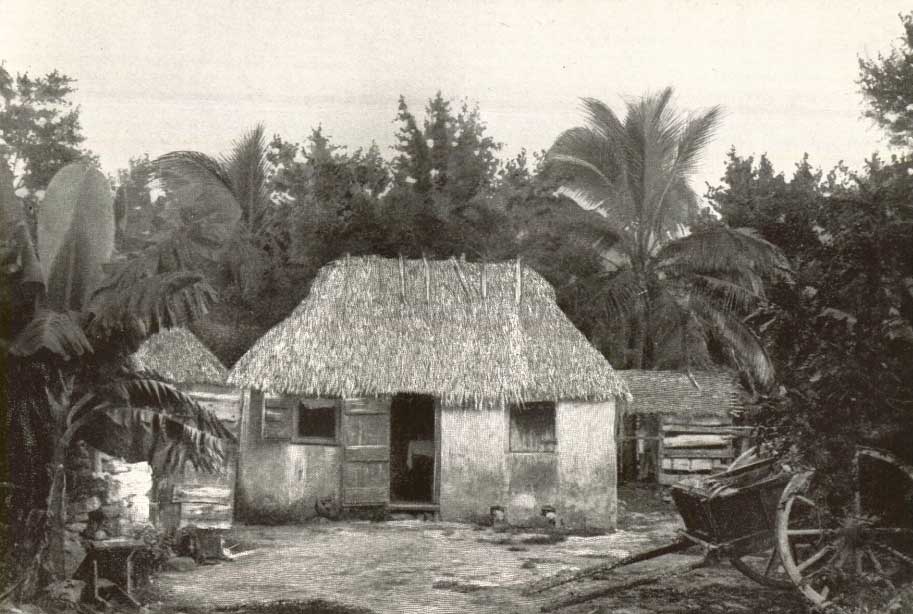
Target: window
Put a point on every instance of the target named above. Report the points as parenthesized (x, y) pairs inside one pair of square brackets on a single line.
[(300, 420), (316, 423), (532, 427)]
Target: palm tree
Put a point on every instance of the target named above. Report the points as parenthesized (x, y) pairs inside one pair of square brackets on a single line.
[(241, 178), (678, 292)]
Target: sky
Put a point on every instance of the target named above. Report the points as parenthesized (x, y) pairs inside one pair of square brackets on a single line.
[(160, 75)]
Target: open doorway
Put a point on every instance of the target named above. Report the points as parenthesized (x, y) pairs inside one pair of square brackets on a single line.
[(412, 448)]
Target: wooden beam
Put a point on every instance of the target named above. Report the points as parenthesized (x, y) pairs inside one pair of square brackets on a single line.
[(698, 452)]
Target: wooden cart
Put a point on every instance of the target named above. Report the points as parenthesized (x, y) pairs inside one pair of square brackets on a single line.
[(798, 530)]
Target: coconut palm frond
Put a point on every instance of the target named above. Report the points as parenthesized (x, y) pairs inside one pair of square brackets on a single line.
[(682, 142), (657, 128), (247, 167), (584, 150), (247, 263), (595, 177), (728, 295), (745, 348), (679, 339), (202, 200), (603, 120), (722, 248), (54, 332), (696, 134), (180, 169), (622, 293)]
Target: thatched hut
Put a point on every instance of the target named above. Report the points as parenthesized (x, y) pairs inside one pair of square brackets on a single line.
[(191, 498), (680, 424), (437, 386)]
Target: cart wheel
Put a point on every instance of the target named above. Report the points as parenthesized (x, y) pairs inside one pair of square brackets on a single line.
[(850, 545), (762, 564), (764, 567)]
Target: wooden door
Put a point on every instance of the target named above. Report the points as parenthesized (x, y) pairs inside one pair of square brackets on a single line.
[(366, 452)]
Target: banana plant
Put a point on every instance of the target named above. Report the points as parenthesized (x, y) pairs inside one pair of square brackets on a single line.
[(71, 317)]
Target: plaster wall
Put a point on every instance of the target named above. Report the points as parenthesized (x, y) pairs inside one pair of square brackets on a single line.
[(587, 495), (478, 470), (280, 480), (473, 472)]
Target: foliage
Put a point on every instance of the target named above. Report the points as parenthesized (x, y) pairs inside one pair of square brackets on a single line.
[(450, 157), (887, 86), (67, 348), (40, 131), (413, 162), (843, 335), (137, 218), (682, 297), (783, 211)]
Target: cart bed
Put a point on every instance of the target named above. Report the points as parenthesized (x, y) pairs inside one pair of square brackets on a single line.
[(729, 506)]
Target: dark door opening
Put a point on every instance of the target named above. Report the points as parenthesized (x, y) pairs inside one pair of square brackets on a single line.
[(412, 448)]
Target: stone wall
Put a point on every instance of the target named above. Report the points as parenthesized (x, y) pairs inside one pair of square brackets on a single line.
[(107, 498)]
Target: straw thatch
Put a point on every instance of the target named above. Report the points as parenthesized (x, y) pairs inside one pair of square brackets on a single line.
[(373, 326), (669, 392), (178, 356)]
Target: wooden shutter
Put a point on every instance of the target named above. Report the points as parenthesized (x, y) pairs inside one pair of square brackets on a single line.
[(278, 418), (532, 427), (366, 451)]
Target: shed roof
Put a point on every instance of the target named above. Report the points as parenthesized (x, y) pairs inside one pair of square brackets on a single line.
[(177, 355), (374, 326), (670, 392)]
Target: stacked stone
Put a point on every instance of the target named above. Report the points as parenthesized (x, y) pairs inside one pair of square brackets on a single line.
[(107, 499)]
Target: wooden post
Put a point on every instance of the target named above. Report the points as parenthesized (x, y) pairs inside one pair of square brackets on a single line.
[(484, 284)]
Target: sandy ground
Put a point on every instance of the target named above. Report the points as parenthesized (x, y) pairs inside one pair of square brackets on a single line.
[(416, 566)]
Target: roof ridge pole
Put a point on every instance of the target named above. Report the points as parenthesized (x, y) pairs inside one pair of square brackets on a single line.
[(518, 289), (459, 272), (427, 279), (402, 278), (693, 381), (484, 282)]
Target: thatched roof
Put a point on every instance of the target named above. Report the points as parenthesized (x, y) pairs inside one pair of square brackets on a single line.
[(374, 326), (674, 393), (178, 356)]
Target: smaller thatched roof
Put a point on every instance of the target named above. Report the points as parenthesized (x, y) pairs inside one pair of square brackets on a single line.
[(673, 393), (463, 332), (178, 356)]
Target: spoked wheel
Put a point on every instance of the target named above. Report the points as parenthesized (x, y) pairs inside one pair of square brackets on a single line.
[(759, 560), (842, 545), (763, 566)]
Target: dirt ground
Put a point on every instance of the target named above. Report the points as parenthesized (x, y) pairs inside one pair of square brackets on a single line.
[(435, 567)]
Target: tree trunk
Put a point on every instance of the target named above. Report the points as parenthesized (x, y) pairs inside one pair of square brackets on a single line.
[(57, 511)]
